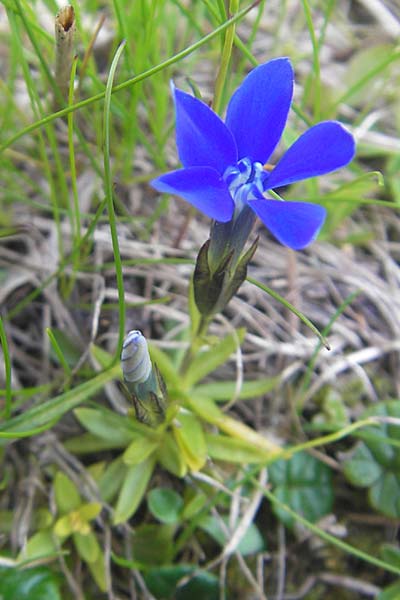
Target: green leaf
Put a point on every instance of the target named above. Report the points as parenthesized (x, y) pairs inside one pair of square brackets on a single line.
[(38, 583), (87, 546), (304, 484), (69, 349), (98, 571), (391, 554), (362, 470), (40, 545), (63, 527), (189, 436), (375, 462), (111, 479), (133, 490), (153, 544), (360, 66), (162, 582), (90, 511), (392, 592), (66, 494), (209, 360), (170, 457), (107, 425), (222, 447), (87, 443), (141, 448), (251, 543), (194, 504), (165, 504), (225, 390), (46, 412)]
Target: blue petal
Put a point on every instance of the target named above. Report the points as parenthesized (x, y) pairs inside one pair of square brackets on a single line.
[(258, 110), (202, 138), (202, 187), (294, 224), (322, 149)]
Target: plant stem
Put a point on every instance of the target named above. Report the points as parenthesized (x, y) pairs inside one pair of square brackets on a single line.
[(195, 344)]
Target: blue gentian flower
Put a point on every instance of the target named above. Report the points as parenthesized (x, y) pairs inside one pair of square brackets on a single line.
[(224, 162)]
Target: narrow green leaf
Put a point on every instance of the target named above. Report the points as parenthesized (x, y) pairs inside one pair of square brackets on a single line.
[(66, 494), (41, 544), (170, 457), (107, 425), (58, 406), (111, 480), (190, 438), (233, 450), (87, 546), (140, 449), (133, 490)]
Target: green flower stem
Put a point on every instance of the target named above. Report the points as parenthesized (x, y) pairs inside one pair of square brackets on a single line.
[(327, 536), (195, 343)]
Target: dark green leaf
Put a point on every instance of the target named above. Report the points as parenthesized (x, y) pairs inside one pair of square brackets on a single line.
[(38, 583), (304, 484), (163, 583), (165, 504), (153, 544)]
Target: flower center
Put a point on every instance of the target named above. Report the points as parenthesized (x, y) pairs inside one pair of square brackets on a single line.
[(245, 181)]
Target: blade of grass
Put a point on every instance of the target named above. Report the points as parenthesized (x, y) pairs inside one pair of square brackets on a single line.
[(7, 371), (110, 200), (133, 81), (54, 409)]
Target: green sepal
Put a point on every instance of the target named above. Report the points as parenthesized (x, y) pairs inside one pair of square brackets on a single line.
[(240, 274), (208, 286)]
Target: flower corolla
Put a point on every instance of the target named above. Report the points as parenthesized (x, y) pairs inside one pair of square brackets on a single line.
[(224, 162)]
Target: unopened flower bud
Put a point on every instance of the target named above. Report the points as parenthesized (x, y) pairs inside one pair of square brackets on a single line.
[(143, 380), (135, 358)]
